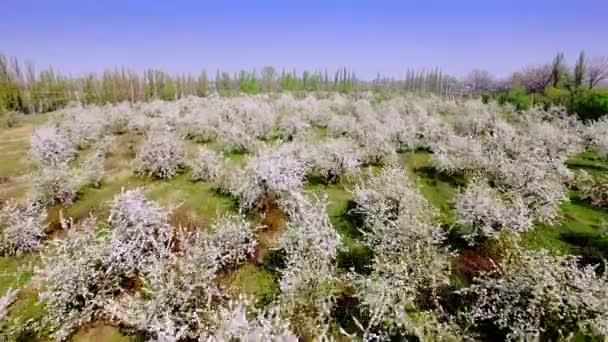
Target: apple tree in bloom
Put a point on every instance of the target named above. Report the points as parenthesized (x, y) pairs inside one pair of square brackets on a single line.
[(541, 296), (401, 230), (273, 172), (308, 282), (483, 214), (21, 229), (161, 156), (50, 148)]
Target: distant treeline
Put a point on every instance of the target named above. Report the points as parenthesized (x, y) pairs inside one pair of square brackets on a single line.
[(22, 89), (576, 87)]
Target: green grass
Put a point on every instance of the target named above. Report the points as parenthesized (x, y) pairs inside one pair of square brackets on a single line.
[(439, 189), (581, 231), (16, 271), (14, 166), (196, 200), (25, 309), (254, 281), (588, 161), (90, 200)]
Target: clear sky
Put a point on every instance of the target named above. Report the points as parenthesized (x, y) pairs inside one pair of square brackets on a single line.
[(368, 36)]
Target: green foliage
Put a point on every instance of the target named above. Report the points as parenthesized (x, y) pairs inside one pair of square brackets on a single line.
[(591, 104), (579, 70), (248, 83), (516, 96), (202, 88), (223, 84), (558, 70), (169, 90), (289, 82), (554, 96)]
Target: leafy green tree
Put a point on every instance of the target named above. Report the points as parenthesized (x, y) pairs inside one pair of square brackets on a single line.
[(223, 83), (269, 79), (202, 88), (169, 89), (591, 104), (247, 82), (558, 69), (516, 96), (579, 70)]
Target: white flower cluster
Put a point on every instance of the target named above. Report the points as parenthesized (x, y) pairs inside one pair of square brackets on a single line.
[(207, 166), (482, 212), (76, 284), (308, 280), (6, 300), (595, 136), (161, 156), (21, 229), (543, 296), (81, 126), (234, 324), (592, 189), (50, 148), (233, 235), (332, 160), (92, 168), (82, 272), (273, 172), (293, 126), (141, 234), (400, 229)]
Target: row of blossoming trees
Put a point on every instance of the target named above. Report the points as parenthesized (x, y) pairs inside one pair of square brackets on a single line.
[(135, 269)]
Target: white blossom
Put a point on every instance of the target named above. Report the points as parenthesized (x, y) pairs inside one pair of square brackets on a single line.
[(50, 148), (21, 229), (141, 234), (207, 166), (235, 240), (541, 294), (480, 209), (161, 156), (6, 300)]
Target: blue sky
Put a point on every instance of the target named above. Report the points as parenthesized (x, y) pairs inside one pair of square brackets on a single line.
[(368, 36)]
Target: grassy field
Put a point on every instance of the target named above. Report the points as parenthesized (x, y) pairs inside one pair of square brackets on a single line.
[(582, 230)]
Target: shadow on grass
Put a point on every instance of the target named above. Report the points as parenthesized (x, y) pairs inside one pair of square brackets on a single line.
[(433, 174), (589, 245)]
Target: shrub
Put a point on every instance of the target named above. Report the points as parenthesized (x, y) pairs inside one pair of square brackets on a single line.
[(234, 238), (400, 228), (234, 323), (92, 168), (50, 148), (141, 234), (272, 173), (480, 209), (21, 229), (332, 160), (208, 166), (161, 156), (517, 97), (593, 190), (590, 105), (76, 283), (12, 118), (553, 96), (56, 184), (541, 296), (308, 284)]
